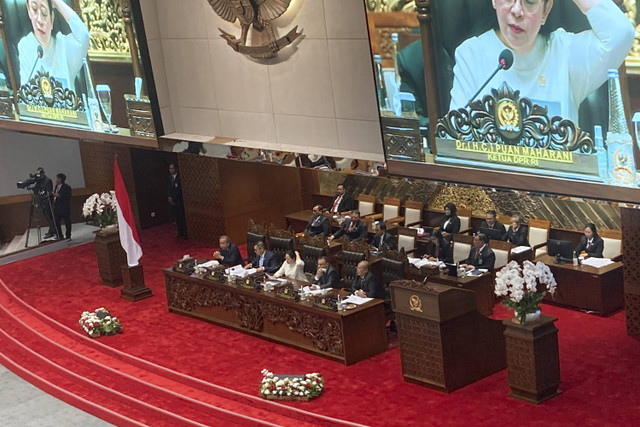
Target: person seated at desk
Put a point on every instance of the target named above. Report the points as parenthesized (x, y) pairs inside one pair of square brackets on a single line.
[(517, 233), (354, 228), (228, 253), (342, 202), (450, 223), (480, 255), (264, 261), (292, 268), (590, 242), (382, 238), (440, 248), (491, 223), (318, 224), (326, 276), (366, 285)]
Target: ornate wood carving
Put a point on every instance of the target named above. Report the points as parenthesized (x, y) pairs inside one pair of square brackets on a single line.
[(105, 22), (316, 242), (421, 348), (631, 271), (278, 232), (46, 91), (505, 118), (359, 246), (258, 14), (324, 333), (474, 198), (111, 257), (6, 105), (252, 227), (402, 138)]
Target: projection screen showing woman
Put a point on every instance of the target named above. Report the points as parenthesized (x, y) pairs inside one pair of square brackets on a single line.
[(556, 69), (58, 54)]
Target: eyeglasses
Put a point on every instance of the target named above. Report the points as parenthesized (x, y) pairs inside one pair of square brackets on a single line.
[(44, 13), (529, 5)]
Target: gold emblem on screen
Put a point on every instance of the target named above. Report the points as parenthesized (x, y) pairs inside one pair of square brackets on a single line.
[(415, 303), (47, 89), (259, 14), (507, 115)]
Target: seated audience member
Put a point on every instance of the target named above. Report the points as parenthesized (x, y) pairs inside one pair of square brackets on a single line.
[(450, 223), (480, 255), (264, 260), (228, 254), (440, 248), (590, 242), (354, 228), (491, 222), (366, 285), (292, 268), (318, 224), (326, 276), (517, 233), (342, 202), (383, 238)]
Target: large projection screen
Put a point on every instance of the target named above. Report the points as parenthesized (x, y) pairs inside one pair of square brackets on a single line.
[(428, 67)]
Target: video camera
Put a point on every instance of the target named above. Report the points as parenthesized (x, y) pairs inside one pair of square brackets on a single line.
[(32, 180)]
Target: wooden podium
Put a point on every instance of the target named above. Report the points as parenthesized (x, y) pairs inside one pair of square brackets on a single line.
[(445, 343)]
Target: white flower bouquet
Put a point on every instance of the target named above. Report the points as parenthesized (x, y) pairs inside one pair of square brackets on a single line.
[(519, 286), (101, 207), (293, 387), (99, 322)]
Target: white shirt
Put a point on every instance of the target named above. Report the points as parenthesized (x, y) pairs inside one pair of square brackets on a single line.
[(62, 58), (559, 73), (292, 271)]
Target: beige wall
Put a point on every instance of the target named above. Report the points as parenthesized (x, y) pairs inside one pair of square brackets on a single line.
[(317, 96)]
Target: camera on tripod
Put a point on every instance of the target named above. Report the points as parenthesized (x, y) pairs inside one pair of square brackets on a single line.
[(32, 180)]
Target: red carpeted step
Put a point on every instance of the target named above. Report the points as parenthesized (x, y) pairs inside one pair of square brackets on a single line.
[(161, 392)]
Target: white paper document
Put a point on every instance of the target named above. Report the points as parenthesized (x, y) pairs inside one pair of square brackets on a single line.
[(519, 249), (212, 263), (597, 262), (308, 289), (354, 299), (420, 262)]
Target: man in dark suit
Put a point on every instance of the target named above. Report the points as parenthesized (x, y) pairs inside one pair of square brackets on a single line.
[(43, 189), (228, 254), (365, 284), (354, 228), (175, 201), (517, 233), (62, 205), (265, 260), (491, 222), (480, 255), (383, 238), (326, 276), (318, 223), (342, 202)]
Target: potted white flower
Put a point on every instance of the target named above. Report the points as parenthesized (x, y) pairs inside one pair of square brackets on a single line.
[(519, 286), (102, 208)]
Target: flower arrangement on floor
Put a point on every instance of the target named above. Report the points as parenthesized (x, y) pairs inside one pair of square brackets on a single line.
[(102, 208), (99, 322), (291, 387), (519, 286)]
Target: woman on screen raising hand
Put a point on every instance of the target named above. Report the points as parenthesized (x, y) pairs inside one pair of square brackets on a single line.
[(556, 69), (61, 55)]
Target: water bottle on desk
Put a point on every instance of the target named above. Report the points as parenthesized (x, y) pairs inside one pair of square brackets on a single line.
[(339, 303)]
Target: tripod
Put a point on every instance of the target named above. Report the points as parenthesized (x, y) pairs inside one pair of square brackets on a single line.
[(39, 203)]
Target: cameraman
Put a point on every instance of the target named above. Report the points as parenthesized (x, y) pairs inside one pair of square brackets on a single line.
[(43, 189), (62, 205)]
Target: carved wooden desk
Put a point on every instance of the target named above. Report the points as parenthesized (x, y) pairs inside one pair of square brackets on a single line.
[(348, 336), (594, 289)]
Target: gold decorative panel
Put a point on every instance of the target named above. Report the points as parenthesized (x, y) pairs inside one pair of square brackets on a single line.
[(474, 198), (390, 5), (105, 22)]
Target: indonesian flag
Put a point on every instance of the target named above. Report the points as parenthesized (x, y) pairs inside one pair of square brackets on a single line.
[(128, 235)]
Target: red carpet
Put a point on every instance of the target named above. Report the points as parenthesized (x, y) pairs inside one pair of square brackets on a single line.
[(598, 360)]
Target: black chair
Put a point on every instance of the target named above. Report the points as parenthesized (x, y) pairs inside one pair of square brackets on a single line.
[(255, 233), (454, 21), (350, 261), (279, 246), (310, 255)]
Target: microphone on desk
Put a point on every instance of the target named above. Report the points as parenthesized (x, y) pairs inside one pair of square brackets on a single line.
[(505, 61), (40, 55)]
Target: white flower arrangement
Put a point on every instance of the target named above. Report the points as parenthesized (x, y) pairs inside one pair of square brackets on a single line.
[(102, 207), (519, 286), (99, 322), (295, 387)]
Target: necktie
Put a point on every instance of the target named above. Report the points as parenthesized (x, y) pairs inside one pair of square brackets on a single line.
[(57, 191), (477, 253), (334, 208), (588, 244)]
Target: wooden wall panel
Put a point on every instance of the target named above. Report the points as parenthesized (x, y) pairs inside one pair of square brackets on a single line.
[(631, 272)]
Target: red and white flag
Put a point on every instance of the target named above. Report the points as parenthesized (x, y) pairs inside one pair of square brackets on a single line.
[(128, 234)]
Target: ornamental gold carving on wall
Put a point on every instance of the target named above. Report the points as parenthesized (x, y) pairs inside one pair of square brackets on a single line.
[(257, 14), (473, 198), (105, 22)]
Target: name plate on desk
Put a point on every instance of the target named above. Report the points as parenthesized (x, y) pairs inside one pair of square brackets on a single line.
[(326, 302), (215, 274), (185, 266), (252, 282), (287, 291)]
